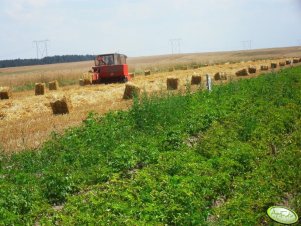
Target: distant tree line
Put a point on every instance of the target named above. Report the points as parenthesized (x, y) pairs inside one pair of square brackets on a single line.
[(45, 60)]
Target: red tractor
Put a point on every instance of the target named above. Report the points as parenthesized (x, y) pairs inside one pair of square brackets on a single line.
[(110, 68)]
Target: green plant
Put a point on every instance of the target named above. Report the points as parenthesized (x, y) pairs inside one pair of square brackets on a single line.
[(218, 158)]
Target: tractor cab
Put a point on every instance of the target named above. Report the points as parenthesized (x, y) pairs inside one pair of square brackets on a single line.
[(110, 68), (110, 59)]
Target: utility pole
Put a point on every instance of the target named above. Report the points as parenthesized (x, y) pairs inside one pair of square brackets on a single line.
[(171, 45), (175, 44), (37, 49), (41, 48), (247, 44), (46, 54), (179, 45)]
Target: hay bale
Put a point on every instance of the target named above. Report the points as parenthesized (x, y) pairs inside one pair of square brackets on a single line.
[(242, 72), (54, 85), (220, 76), (196, 80), (172, 83), (299, 59), (288, 62), (81, 82), (5, 93), (296, 60), (85, 81), (147, 72), (39, 89), (195, 66), (130, 91), (273, 65), (264, 67), (252, 69), (184, 68), (61, 105), (171, 69), (282, 63)]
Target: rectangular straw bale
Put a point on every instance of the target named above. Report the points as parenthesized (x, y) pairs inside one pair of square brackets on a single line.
[(61, 105), (147, 72), (242, 72), (53, 85), (252, 69), (196, 80), (172, 83), (39, 89), (195, 66), (171, 69), (81, 82), (87, 81), (288, 62), (220, 76), (130, 91), (273, 65), (282, 63), (264, 67), (184, 67), (296, 60), (5, 93)]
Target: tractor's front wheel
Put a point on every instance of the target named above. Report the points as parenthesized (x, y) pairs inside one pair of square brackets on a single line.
[(125, 80)]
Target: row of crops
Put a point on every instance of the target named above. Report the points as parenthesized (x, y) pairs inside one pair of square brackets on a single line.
[(218, 158)]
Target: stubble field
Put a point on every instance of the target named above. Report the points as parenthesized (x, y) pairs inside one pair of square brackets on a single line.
[(26, 120)]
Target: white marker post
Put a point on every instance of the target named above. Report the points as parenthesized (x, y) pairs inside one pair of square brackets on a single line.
[(208, 82)]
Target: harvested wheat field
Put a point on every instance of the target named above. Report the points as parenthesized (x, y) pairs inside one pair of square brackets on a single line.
[(27, 120)]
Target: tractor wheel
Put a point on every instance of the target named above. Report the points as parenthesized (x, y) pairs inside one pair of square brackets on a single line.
[(125, 80)]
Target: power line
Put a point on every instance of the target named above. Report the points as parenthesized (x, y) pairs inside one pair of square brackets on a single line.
[(247, 44), (175, 45), (171, 45), (41, 48)]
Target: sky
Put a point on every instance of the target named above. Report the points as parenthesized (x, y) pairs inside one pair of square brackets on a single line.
[(145, 27)]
